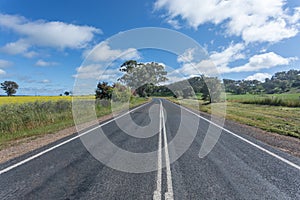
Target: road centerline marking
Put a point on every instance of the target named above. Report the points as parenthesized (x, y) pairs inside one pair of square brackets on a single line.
[(157, 192), (163, 134), (169, 194)]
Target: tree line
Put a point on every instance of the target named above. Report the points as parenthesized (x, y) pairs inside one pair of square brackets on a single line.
[(143, 79), (280, 82)]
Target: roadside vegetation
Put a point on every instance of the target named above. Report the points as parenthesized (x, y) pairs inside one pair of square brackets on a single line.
[(279, 119), (24, 116), (284, 99), (35, 116)]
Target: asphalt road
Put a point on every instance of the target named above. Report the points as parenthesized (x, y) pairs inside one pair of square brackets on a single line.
[(238, 167)]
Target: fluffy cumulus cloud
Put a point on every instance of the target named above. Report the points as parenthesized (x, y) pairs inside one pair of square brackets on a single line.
[(187, 56), (259, 76), (97, 72), (104, 53), (253, 20), (261, 61), (230, 54), (54, 34), (191, 66), (219, 62), (101, 63), (98, 60)]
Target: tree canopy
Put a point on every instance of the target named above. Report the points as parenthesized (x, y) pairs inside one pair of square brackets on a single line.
[(10, 87), (138, 75), (104, 91), (280, 82)]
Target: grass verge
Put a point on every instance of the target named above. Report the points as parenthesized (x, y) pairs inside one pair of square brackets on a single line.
[(276, 119), (38, 118)]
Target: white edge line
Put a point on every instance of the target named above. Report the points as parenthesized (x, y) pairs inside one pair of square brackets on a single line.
[(245, 140), (67, 141)]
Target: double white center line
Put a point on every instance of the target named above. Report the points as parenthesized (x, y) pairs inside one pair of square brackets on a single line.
[(162, 130)]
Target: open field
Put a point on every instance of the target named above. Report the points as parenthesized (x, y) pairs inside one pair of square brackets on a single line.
[(249, 97), (32, 116), (277, 119), (285, 99), (28, 99)]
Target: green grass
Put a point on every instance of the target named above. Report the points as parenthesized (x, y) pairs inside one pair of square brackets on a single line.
[(20, 120), (285, 99), (276, 119)]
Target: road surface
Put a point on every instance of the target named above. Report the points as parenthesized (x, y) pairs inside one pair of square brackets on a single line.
[(238, 167)]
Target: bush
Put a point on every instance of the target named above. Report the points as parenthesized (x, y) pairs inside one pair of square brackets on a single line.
[(275, 101), (27, 116)]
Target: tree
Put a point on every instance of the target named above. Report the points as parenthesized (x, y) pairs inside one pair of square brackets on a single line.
[(120, 93), (212, 90), (104, 91), (67, 93), (10, 87), (187, 92), (142, 76)]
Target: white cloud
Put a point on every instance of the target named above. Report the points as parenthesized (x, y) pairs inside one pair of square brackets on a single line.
[(253, 20), (104, 53), (2, 72), (42, 63), (218, 62), (272, 31), (47, 34), (5, 63), (174, 23), (259, 76), (187, 56), (230, 54), (96, 72), (30, 54), (18, 47), (261, 61), (45, 81), (190, 67)]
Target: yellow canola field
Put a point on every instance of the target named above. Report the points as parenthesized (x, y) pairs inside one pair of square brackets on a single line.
[(27, 99)]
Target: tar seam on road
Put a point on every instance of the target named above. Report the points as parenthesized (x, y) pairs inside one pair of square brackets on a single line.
[(162, 128), (65, 142), (245, 140)]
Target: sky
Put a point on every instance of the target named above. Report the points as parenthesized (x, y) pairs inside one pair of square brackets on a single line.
[(49, 46)]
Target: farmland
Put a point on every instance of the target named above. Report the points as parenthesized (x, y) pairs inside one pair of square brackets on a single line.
[(28, 99), (33, 116)]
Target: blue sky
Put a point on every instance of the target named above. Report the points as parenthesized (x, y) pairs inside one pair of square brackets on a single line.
[(44, 44)]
